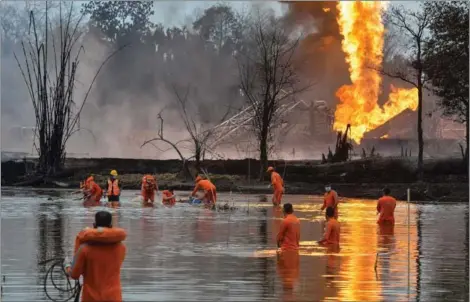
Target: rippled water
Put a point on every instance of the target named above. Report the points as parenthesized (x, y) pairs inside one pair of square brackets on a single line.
[(192, 254)]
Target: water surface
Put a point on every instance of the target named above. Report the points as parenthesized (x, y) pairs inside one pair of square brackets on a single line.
[(192, 254)]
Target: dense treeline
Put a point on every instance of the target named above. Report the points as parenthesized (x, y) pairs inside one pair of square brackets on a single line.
[(208, 57)]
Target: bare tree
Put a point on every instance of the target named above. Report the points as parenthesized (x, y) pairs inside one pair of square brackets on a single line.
[(51, 59), (198, 132), (268, 76), (413, 24), (173, 145)]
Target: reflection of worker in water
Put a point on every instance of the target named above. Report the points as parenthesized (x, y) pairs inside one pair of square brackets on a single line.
[(148, 189), (277, 219), (278, 186), (114, 189), (288, 237), (332, 230), (99, 254), (205, 226), (385, 245), (386, 208), (210, 192), (330, 199), (288, 271)]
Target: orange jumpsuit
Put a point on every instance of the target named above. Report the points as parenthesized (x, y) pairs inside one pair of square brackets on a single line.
[(289, 233), (278, 187), (331, 200), (148, 188), (386, 207), (94, 190), (332, 231), (170, 202), (209, 190), (99, 254)]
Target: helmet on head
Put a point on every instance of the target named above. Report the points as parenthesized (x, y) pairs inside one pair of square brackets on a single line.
[(114, 173), (270, 169), (198, 178)]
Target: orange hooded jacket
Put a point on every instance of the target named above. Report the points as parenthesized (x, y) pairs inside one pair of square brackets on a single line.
[(330, 199), (289, 233), (332, 232), (99, 254), (168, 202), (208, 187), (149, 188), (386, 207)]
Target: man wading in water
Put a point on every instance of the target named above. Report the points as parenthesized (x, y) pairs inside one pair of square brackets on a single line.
[(99, 254)]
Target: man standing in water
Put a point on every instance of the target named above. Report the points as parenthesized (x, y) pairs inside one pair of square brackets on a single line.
[(386, 208), (330, 199), (288, 237), (148, 188), (332, 229), (99, 254), (114, 190), (278, 186)]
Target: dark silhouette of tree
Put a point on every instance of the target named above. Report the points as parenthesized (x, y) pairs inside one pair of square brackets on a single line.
[(447, 58), (268, 76), (51, 59), (120, 22), (220, 27), (199, 132), (413, 25)]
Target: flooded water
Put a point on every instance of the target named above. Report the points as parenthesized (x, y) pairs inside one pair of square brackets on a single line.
[(193, 254)]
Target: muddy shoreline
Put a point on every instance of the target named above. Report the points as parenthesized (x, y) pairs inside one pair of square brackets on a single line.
[(445, 180)]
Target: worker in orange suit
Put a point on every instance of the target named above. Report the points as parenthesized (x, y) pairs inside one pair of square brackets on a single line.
[(330, 199), (98, 257), (288, 237), (149, 188), (92, 191), (168, 197), (386, 208), (278, 186), (114, 190), (332, 230), (210, 191)]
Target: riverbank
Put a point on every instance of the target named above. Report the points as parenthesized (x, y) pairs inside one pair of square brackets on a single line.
[(445, 180)]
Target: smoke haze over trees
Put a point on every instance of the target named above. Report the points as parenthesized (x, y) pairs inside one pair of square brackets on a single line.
[(132, 89)]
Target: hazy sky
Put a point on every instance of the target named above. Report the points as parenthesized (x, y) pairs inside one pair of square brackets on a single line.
[(177, 12)]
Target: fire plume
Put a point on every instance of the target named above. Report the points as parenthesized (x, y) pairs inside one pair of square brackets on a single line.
[(361, 26)]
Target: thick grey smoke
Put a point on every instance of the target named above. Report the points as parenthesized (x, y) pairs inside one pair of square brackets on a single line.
[(140, 82)]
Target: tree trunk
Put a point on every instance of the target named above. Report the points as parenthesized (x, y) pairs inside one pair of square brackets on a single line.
[(467, 141), (263, 153), (420, 132), (197, 158), (420, 113)]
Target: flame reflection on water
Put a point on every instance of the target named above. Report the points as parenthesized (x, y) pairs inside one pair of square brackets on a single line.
[(191, 254)]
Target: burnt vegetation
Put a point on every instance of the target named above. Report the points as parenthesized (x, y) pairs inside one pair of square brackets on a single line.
[(253, 57), (49, 63)]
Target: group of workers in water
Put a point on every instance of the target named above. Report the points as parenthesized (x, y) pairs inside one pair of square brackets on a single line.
[(92, 192), (99, 251)]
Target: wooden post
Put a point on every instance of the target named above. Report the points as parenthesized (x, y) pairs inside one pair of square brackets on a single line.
[(409, 215)]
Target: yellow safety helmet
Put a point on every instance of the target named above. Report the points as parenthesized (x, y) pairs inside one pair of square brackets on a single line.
[(114, 173)]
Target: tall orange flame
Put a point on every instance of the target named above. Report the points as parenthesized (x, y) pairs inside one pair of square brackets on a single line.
[(362, 29)]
